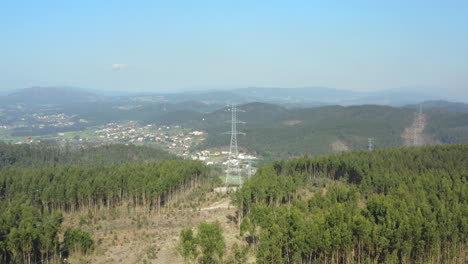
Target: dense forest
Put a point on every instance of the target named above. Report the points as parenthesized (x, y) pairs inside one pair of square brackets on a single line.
[(407, 205), (447, 127), (72, 188), (32, 199), (48, 155), (274, 131), (278, 133)]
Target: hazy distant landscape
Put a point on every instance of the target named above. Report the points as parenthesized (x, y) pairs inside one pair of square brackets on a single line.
[(279, 126), (234, 132)]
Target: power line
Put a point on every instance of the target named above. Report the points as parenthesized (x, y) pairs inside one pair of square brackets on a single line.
[(233, 173), (416, 137)]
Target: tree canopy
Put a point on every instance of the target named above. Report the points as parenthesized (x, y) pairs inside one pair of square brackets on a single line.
[(407, 205), (31, 201)]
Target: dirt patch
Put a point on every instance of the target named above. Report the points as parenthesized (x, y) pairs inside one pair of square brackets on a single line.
[(339, 146), (292, 122), (134, 236), (224, 190), (414, 135), (222, 204)]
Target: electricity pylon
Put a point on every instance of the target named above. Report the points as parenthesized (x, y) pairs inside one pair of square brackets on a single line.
[(233, 173), (370, 147)]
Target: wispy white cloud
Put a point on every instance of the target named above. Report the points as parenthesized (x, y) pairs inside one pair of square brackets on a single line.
[(118, 66)]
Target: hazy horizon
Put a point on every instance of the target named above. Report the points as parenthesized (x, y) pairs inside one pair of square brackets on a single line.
[(148, 46)]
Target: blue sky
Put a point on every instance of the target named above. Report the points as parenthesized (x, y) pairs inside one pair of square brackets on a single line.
[(169, 45)]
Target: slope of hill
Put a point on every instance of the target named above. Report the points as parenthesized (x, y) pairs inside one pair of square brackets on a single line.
[(218, 97), (306, 96), (447, 127), (390, 97), (442, 105), (297, 95), (276, 132), (273, 131)]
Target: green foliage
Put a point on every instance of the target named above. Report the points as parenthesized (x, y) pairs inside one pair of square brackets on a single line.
[(71, 188), (446, 127), (187, 246), (238, 255), (76, 239), (270, 133), (207, 247), (44, 155), (404, 205), (25, 235), (30, 199), (210, 241)]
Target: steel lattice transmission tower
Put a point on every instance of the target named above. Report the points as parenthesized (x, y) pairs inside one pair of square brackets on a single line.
[(233, 175)]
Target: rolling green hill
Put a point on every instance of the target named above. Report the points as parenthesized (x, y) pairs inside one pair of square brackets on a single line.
[(447, 127), (274, 132)]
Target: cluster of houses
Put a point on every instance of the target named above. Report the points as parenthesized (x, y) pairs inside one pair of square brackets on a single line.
[(42, 120), (218, 157), (55, 120), (173, 138)]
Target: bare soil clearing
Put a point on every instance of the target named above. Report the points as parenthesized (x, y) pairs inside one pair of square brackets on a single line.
[(414, 135), (339, 146), (123, 236)]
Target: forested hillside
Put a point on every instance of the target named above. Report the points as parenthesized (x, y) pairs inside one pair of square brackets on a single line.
[(43, 155), (441, 105), (31, 201), (272, 131), (447, 127), (407, 205), (275, 132)]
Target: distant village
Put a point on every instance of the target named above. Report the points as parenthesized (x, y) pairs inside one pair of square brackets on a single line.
[(175, 139)]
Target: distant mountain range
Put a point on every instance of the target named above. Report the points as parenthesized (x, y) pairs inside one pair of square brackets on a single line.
[(302, 97), (290, 97), (50, 95)]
